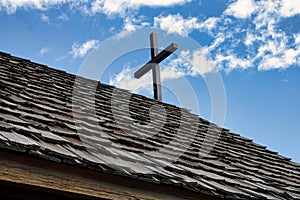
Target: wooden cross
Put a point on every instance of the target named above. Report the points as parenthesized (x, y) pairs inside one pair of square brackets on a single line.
[(153, 64)]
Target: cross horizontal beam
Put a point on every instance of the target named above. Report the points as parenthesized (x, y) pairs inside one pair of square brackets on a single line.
[(157, 59)]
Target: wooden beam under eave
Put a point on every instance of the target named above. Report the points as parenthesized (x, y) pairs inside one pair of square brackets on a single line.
[(19, 171)]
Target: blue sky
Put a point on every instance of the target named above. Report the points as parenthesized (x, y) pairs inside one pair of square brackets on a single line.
[(253, 45)]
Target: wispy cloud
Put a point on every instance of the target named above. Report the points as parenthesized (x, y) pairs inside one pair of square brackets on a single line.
[(276, 49), (259, 43), (233, 62), (289, 8), (126, 80), (45, 18), (188, 63), (194, 63), (11, 6), (63, 17), (44, 50), (131, 24), (176, 24), (80, 50), (241, 9), (246, 35), (122, 8), (111, 8), (285, 80)]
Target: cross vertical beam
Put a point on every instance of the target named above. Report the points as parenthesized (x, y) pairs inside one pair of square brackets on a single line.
[(153, 64), (155, 68)]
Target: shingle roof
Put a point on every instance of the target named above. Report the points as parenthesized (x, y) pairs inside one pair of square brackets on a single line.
[(38, 118)]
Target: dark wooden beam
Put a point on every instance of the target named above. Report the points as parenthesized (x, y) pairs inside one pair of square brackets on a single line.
[(160, 57), (153, 64)]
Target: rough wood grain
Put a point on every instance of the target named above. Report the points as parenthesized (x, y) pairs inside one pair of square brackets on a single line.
[(35, 177)]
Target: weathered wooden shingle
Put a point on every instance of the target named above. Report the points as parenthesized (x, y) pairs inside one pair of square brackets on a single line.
[(37, 118)]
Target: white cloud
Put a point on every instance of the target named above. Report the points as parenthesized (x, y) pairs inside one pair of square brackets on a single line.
[(297, 39), (235, 46), (197, 62), (275, 50), (250, 38), (282, 60), (131, 24), (289, 8), (12, 5), (63, 17), (219, 39), (176, 24), (266, 45), (273, 47), (261, 41), (233, 62), (121, 7), (45, 18), (193, 63), (241, 9), (108, 7), (126, 80), (291, 55), (43, 51), (210, 23), (286, 58), (80, 50), (272, 63), (169, 73)]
